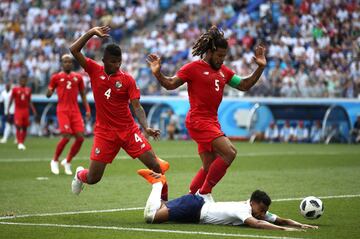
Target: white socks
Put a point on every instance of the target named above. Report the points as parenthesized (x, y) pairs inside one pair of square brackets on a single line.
[(153, 203)]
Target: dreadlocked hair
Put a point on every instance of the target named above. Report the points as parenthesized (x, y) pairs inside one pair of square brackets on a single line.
[(210, 40)]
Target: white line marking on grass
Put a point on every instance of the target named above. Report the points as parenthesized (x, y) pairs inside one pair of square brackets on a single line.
[(290, 153), (72, 213), (321, 197), (142, 208), (147, 230)]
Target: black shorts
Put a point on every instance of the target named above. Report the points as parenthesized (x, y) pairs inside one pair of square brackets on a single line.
[(185, 209)]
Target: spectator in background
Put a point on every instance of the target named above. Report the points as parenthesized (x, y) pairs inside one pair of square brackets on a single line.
[(173, 128), (286, 133), (272, 133), (316, 132), (355, 131), (301, 133)]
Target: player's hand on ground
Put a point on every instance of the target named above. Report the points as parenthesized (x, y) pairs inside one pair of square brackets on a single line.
[(259, 57), (102, 31), (306, 226), (155, 133), (154, 62), (292, 229)]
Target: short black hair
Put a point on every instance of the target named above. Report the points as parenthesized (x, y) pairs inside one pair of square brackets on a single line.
[(113, 49), (260, 197)]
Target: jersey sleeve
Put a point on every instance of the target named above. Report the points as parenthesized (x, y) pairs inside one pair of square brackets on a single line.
[(243, 212), (53, 82), (185, 72), (270, 217), (133, 90), (81, 83), (228, 74), (91, 66)]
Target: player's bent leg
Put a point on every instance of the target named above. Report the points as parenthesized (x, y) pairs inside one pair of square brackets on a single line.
[(149, 160), (75, 148), (54, 164), (161, 215), (225, 149), (207, 158), (96, 171)]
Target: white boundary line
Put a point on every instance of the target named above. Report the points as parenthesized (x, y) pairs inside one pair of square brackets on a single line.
[(148, 230), (141, 208), (16, 160)]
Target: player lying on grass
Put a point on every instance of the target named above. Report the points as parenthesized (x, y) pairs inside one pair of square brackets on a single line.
[(192, 208)]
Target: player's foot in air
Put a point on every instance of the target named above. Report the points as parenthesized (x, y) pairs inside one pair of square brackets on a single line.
[(151, 176), (164, 165), (21, 146), (54, 166), (206, 197), (77, 185), (67, 167)]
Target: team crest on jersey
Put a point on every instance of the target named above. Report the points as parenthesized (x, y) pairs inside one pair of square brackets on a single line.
[(206, 73), (222, 74), (62, 79), (75, 79), (102, 77), (118, 84), (97, 151)]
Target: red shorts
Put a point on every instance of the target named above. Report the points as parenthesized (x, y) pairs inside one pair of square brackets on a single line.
[(107, 143), (204, 132), (21, 118), (70, 122)]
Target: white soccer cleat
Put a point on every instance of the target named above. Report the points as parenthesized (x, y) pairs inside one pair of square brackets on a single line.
[(77, 185), (206, 197), (21, 147), (54, 165), (67, 167), (3, 141)]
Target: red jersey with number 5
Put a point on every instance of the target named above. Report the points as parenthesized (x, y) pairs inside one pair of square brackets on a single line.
[(205, 88), (112, 94), (67, 87), (22, 97)]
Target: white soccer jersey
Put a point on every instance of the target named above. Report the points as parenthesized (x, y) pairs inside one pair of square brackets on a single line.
[(229, 213), (5, 97)]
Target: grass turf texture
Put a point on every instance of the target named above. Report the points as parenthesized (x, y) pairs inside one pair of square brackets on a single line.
[(282, 170)]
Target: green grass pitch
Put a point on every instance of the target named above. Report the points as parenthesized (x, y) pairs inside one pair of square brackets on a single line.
[(46, 208)]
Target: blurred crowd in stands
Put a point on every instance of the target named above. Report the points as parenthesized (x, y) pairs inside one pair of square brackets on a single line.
[(313, 45)]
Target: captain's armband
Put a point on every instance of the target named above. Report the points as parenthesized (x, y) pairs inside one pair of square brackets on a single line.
[(235, 81)]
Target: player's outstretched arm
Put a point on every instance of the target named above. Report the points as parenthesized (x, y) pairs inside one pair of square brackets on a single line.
[(293, 223), (76, 47), (169, 83), (261, 224), (247, 82), (141, 116)]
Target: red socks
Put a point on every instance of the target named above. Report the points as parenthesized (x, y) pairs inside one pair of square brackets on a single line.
[(164, 192), (60, 147), (75, 148), (82, 175), (198, 181), (216, 171), (21, 135)]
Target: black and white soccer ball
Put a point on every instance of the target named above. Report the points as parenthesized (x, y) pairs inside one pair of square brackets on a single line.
[(311, 207)]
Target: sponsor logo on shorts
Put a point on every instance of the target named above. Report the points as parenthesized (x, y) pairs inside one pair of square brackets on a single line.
[(97, 151)]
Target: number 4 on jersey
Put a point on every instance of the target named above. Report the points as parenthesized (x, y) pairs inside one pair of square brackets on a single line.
[(108, 93)]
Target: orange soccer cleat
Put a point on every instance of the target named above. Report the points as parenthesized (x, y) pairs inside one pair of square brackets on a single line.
[(164, 165), (151, 176)]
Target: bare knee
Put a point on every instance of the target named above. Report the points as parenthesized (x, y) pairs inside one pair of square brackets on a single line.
[(230, 155)]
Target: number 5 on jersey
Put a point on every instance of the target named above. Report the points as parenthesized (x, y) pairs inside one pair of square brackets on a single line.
[(108, 93)]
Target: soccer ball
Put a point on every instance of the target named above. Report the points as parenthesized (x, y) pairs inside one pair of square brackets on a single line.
[(311, 207)]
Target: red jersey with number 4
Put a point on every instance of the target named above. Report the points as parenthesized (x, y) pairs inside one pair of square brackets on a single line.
[(67, 87), (22, 98), (112, 94), (205, 88)]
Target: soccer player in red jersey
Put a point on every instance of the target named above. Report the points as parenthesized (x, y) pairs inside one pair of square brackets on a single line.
[(68, 85), (21, 95), (115, 127), (206, 79)]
